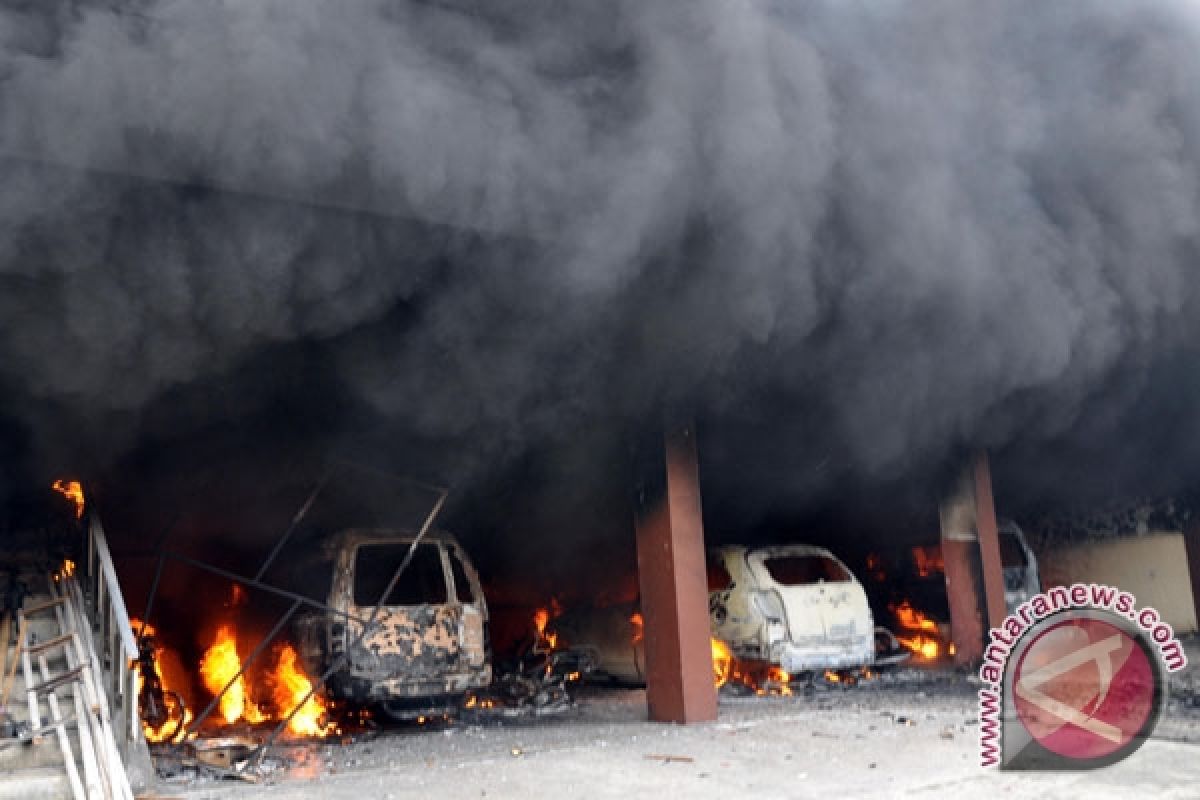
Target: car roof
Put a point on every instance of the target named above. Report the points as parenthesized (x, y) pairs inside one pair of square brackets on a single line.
[(391, 535), (776, 550)]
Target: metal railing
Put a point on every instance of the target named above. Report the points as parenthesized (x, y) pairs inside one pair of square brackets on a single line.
[(115, 644)]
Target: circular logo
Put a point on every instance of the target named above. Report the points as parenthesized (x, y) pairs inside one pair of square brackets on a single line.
[(1087, 689)]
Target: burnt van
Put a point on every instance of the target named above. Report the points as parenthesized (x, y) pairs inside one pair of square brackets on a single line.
[(427, 646)]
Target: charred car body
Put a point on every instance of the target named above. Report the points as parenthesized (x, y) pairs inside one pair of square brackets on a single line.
[(794, 606), (427, 647)]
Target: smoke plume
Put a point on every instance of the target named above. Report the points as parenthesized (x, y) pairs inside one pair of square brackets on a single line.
[(917, 224)]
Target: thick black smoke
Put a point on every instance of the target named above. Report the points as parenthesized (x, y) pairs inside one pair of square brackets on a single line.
[(913, 224)]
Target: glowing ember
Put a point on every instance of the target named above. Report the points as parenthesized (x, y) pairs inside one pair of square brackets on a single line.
[(777, 679), (218, 667), (65, 571), (722, 661), (73, 491), (474, 702), (928, 561), (291, 687)]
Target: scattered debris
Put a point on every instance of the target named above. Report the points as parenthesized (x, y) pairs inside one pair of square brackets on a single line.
[(666, 759), (241, 758), (537, 685)]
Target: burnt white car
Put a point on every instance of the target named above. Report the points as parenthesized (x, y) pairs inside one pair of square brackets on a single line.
[(797, 606)]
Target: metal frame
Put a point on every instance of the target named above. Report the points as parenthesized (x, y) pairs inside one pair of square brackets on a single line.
[(117, 645)]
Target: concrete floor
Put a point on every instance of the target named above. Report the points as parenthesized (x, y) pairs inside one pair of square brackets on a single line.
[(912, 734)]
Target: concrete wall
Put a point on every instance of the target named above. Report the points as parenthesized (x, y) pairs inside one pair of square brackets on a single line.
[(1154, 568)]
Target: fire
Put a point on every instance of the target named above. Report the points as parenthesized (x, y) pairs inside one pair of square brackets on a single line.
[(928, 561), (73, 491), (777, 678), (218, 667), (639, 626), (925, 640), (65, 571), (926, 647), (914, 620), (172, 730), (547, 640), (473, 701), (268, 694), (722, 661), (291, 687)]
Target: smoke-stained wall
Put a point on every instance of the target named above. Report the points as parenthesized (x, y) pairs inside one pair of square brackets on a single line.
[(914, 224)]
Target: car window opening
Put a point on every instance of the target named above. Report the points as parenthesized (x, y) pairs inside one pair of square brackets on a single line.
[(803, 570), (462, 586), (423, 582)]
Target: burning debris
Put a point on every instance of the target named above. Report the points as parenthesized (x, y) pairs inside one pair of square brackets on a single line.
[(737, 676), (920, 634), (539, 681), (250, 697), (73, 491), (165, 715)]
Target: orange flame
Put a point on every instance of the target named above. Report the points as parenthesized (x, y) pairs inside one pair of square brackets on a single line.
[(219, 665), (291, 687), (722, 662), (914, 620), (170, 729), (926, 640), (639, 626), (924, 646), (73, 491), (547, 641), (779, 679)]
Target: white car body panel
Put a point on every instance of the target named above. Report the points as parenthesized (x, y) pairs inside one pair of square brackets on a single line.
[(810, 626)]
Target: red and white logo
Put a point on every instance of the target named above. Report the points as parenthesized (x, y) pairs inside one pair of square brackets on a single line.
[(1085, 689)]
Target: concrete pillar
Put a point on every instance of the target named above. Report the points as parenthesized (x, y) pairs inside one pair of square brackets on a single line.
[(971, 554), (674, 585), (989, 543), (959, 555)]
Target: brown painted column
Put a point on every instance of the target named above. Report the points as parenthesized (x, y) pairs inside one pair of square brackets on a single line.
[(674, 585), (1191, 541), (959, 556), (989, 543)]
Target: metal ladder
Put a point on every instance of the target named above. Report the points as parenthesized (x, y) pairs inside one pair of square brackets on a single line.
[(104, 776)]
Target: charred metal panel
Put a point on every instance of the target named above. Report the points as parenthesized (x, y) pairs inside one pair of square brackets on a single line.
[(418, 641)]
